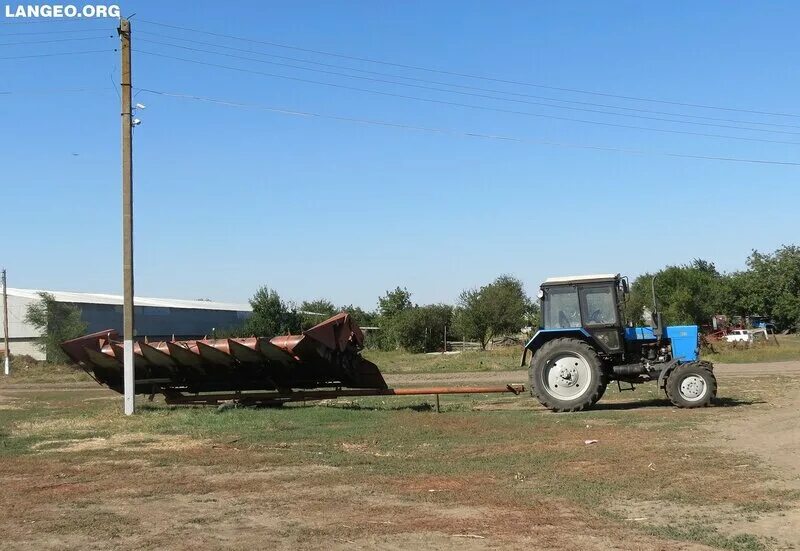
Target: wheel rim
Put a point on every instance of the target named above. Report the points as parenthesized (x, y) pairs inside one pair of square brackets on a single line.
[(693, 388), (567, 376)]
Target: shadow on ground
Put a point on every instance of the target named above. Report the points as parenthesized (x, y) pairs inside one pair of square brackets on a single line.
[(662, 402), (383, 407)]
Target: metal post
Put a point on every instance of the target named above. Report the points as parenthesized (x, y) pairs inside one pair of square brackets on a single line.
[(127, 215), (7, 352), (445, 339)]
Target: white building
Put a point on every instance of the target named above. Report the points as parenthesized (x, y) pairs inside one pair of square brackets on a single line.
[(155, 318)]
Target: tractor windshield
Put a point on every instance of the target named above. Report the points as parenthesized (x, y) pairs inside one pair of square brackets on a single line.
[(561, 308), (600, 306)]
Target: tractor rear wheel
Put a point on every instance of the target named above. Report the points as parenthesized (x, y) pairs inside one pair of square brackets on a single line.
[(567, 375), (600, 392), (691, 385)]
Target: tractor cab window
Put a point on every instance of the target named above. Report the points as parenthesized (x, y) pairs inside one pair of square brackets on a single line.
[(600, 306), (561, 308)]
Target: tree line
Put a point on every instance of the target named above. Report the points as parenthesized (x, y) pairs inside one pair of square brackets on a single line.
[(690, 293), (497, 308)]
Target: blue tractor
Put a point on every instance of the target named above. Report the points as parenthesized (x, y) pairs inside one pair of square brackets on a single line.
[(584, 344)]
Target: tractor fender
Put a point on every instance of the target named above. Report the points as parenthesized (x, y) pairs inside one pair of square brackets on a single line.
[(664, 375), (543, 336)]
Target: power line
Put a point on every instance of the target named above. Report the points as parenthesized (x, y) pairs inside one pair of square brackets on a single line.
[(55, 40), (471, 94), (463, 86), (467, 75), (58, 54), (466, 105), (310, 114)]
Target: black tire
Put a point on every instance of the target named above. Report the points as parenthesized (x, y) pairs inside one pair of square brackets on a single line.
[(557, 350), (602, 390), (698, 391)]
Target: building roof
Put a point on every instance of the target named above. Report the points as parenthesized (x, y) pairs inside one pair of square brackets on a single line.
[(582, 278), (99, 298)]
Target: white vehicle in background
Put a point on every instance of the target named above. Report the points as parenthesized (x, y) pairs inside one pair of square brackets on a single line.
[(739, 335)]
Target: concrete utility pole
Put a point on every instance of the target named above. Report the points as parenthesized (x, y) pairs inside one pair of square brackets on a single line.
[(6, 352), (127, 215)]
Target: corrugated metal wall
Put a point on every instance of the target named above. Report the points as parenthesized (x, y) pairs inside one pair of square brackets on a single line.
[(153, 322), (161, 322)]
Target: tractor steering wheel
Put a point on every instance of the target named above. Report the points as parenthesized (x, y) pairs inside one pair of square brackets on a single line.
[(597, 316)]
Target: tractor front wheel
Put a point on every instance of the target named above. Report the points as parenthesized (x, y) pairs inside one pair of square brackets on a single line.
[(567, 375), (691, 385)]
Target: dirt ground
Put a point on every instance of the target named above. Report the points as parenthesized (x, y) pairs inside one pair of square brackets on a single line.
[(771, 433), (125, 487)]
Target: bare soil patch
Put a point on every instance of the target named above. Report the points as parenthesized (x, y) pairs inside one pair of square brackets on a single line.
[(186, 506), (769, 433)]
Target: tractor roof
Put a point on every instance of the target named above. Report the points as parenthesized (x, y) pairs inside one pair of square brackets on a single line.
[(581, 279)]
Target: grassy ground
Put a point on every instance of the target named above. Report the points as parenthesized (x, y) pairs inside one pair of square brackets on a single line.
[(500, 469), (782, 348), (27, 370), (398, 361)]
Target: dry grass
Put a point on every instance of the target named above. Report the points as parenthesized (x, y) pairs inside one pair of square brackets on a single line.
[(26, 369), (780, 348), (398, 361)]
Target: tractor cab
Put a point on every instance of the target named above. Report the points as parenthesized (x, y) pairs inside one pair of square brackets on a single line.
[(591, 304)]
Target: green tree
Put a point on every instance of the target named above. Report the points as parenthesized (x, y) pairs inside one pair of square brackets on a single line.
[(686, 294), (271, 316), (421, 328), (771, 287), (394, 302), (495, 309), (469, 321), (740, 294), (390, 306), (57, 322), (533, 317)]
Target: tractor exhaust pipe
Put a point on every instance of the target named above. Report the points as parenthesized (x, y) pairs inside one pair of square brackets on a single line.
[(629, 369), (658, 325)]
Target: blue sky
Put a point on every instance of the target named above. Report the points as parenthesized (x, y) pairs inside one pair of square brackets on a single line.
[(227, 199)]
